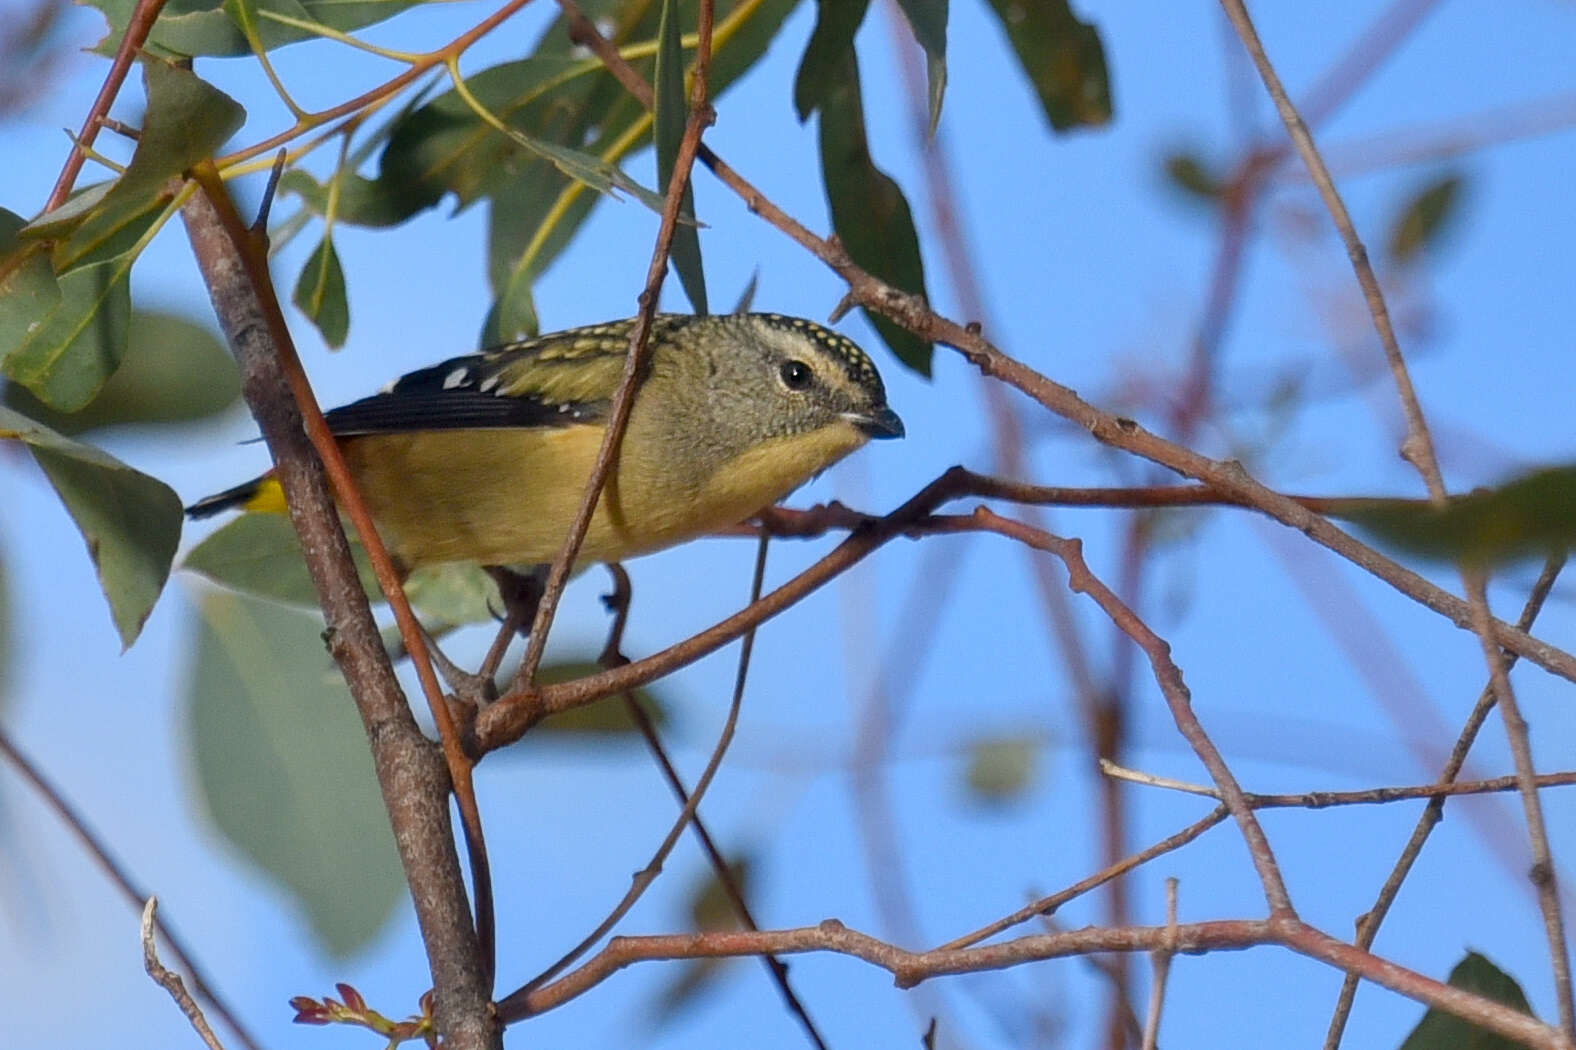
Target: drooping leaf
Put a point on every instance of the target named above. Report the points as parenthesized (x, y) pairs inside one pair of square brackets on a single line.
[(607, 718), (535, 210), (869, 212), (1427, 215), (1189, 173), (130, 521), (61, 338), (836, 22), (362, 201), (928, 19), (1062, 57), (174, 370), (186, 121), (320, 293), (211, 27), (711, 908), (29, 293), (1001, 769), (283, 767), (1443, 1031), (670, 114), (1533, 514), (260, 555), (452, 594)]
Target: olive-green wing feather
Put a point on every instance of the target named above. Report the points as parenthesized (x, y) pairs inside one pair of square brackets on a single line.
[(551, 381)]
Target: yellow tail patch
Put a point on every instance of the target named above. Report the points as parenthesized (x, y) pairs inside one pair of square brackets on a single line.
[(268, 499)]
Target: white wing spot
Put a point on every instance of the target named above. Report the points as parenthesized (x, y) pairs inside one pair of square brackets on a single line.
[(456, 378)]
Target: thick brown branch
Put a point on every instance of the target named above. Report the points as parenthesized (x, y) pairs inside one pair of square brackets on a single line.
[(411, 773)]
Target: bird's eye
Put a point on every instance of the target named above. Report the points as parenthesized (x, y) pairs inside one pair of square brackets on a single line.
[(796, 375)]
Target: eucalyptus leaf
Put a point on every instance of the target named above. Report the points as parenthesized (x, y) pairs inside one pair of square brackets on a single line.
[(68, 354), (869, 212), (670, 114), (1426, 215), (210, 27), (131, 522), (535, 210), (836, 22), (1439, 1030), (928, 19), (186, 121), (1532, 514), (1001, 769), (320, 293), (174, 370), (1062, 57), (283, 767), (260, 555), (607, 718)]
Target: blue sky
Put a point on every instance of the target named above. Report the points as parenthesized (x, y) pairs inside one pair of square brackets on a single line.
[(1095, 273)]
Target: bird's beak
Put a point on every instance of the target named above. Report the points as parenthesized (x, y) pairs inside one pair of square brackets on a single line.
[(878, 423)]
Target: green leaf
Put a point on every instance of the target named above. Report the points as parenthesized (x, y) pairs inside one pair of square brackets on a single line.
[(29, 293), (1427, 215), (832, 39), (210, 27), (711, 908), (1442, 1031), (260, 555), (1190, 174), (535, 210), (1063, 58), (928, 19), (670, 115), (1533, 514), (174, 370), (1001, 769), (283, 767), (186, 121), (62, 338), (869, 212), (607, 718), (452, 594), (130, 521), (320, 293), (362, 201)]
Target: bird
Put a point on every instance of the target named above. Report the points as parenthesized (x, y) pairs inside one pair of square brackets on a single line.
[(483, 458)]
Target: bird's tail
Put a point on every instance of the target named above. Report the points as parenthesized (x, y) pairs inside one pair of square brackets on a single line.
[(260, 494)]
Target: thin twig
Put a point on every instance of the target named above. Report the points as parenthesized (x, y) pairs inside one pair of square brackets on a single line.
[(138, 26), (1327, 799), (1048, 905), (1368, 925), (910, 967), (619, 602), (1543, 871), (112, 867), (1418, 449), (1168, 676), (1160, 962), (171, 982), (700, 117), (515, 1005)]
